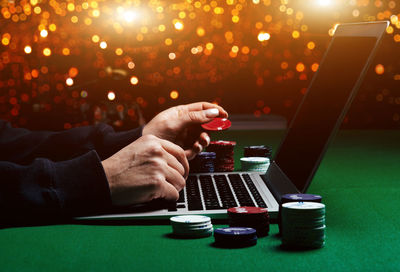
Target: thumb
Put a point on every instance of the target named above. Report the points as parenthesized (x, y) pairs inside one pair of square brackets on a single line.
[(203, 116), (193, 151)]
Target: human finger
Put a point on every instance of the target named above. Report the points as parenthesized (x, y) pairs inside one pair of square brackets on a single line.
[(173, 162), (204, 139), (202, 116), (168, 191), (173, 177), (199, 106), (193, 151), (177, 152)]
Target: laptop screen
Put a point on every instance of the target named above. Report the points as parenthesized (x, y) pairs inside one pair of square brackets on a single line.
[(305, 142)]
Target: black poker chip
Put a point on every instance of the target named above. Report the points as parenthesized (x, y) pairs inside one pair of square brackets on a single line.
[(203, 163), (257, 151), (235, 237)]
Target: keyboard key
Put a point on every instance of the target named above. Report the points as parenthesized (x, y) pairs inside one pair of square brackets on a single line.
[(240, 190), (181, 196), (225, 192), (209, 193), (193, 194), (257, 197)]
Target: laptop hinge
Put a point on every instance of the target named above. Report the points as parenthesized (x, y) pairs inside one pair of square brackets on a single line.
[(278, 183)]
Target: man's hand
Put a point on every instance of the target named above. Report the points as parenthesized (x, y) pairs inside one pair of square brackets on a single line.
[(147, 169), (181, 125)]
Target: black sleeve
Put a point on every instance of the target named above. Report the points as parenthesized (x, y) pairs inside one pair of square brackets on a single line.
[(22, 146), (46, 191), (46, 176)]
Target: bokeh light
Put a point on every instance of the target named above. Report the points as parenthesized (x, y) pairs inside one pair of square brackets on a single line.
[(111, 95), (174, 94), (44, 33), (28, 49), (251, 56), (47, 52), (69, 81), (134, 80), (379, 69)]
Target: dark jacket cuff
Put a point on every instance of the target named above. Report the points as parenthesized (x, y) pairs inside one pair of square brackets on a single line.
[(113, 141), (81, 185)]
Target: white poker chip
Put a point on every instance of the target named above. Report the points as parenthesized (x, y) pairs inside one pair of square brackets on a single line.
[(254, 164), (189, 225), (254, 160), (192, 225), (195, 234), (178, 227), (190, 219), (303, 205), (303, 224)]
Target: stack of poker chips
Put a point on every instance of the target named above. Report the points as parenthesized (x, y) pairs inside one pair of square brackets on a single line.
[(224, 161), (252, 217), (303, 225), (296, 198), (257, 151), (192, 226), (254, 164), (203, 163), (235, 237)]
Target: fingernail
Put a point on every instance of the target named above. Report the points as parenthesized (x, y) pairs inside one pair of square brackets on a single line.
[(212, 113), (207, 138)]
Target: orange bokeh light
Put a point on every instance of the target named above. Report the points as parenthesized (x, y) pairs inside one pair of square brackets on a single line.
[(379, 69), (174, 94)]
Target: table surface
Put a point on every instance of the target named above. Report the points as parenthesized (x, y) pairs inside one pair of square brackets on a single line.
[(359, 180)]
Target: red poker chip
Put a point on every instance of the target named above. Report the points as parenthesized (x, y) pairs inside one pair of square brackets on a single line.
[(217, 124), (223, 143), (247, 210)]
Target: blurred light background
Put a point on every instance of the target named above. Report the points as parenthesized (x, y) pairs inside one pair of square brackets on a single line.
[(71, 63)]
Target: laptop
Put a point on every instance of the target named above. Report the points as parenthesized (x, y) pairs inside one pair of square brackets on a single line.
[(318, 117)]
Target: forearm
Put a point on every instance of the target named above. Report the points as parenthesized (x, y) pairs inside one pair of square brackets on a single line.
[(50, 190)]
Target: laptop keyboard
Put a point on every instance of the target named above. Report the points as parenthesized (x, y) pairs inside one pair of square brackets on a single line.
[(220, 192)]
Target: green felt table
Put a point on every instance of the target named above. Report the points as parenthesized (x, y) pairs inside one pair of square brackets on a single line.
[(359, 180)]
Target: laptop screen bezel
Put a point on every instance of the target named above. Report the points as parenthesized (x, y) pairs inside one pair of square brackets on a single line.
[(367, 29)]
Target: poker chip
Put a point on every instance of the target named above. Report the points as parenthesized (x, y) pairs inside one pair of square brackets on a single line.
[(203, 163), (224, 151), (217, 124), (301, 198), (235, 237), (296, 198), (257, 151), (303, 224), (192, 226), (254, 164), (252, 217)]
